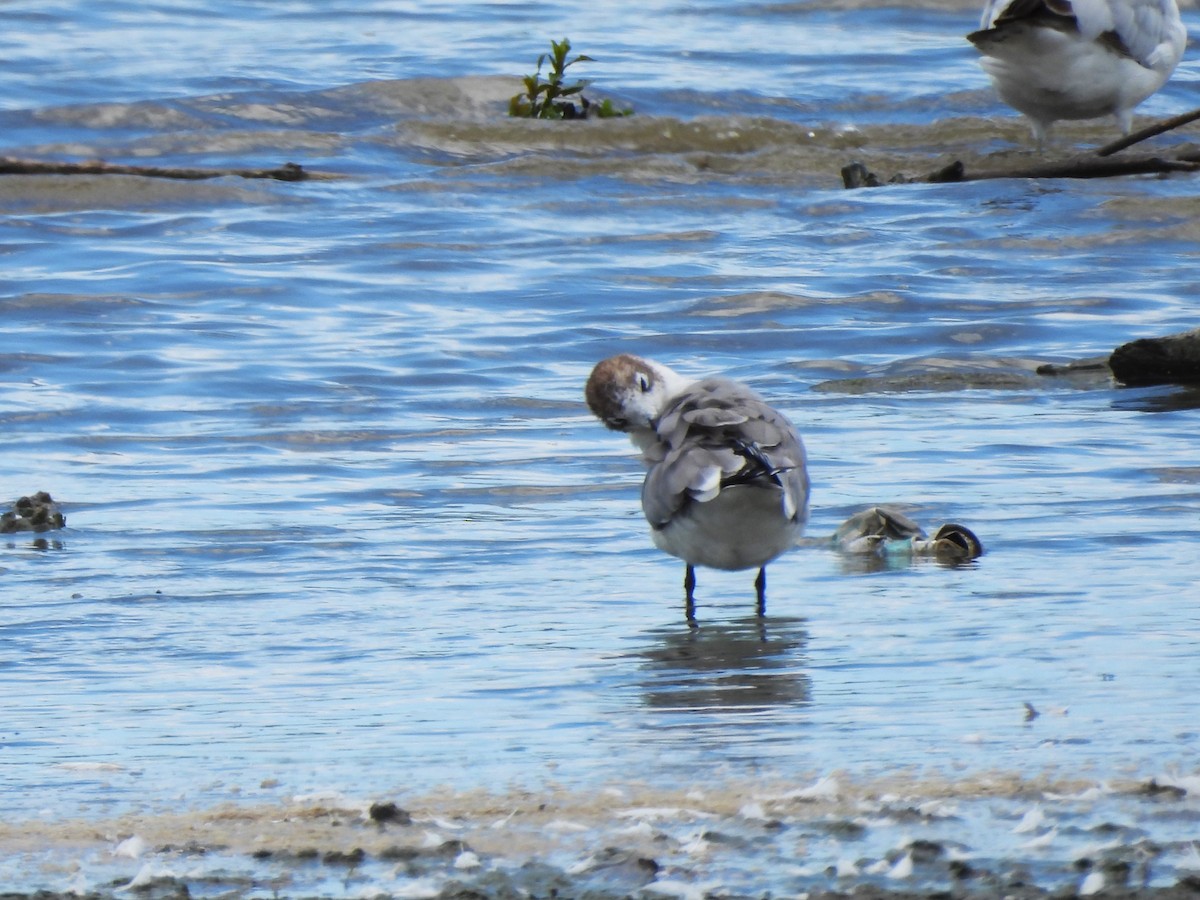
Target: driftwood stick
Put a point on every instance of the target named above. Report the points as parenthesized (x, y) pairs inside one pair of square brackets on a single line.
[(1093, 165), (1075, 167), (1148, 132), (856, 174), (286, 172)]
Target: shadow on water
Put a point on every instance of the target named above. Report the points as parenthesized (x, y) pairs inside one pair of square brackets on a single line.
[(751, 663), (1159, 399)]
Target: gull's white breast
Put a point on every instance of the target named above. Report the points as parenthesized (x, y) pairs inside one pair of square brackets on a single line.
[(743, 527), (1111, 57)]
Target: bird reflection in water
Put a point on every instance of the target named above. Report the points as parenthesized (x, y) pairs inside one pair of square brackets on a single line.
[(741, 665)]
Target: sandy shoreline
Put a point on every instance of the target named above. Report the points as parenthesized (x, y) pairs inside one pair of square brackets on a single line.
[(834, 837)]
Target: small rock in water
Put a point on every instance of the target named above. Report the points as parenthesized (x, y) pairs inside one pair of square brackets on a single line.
[(37, 512), (1163, 791), (349, 858), (389, 812)]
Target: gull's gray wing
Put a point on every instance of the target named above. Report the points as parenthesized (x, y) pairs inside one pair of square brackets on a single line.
[(716, 434), (1136, 28), (1146, 29)]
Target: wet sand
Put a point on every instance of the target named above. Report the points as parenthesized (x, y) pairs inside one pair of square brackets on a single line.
[(992, 836)]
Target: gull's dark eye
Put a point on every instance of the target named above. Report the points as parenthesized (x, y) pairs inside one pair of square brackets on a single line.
[(643, 383)]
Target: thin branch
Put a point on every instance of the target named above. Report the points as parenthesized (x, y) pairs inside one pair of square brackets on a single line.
[(286, 172), (1093, 165), (1075, 167), (856, 175), (1148, 132)]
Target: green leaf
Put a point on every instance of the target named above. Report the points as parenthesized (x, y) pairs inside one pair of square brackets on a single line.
[(543, 94)]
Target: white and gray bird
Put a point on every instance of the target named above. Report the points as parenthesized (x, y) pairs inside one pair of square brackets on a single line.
[(1078, 59), (726, 485)]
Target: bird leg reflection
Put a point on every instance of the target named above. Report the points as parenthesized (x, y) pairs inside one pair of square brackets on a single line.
[(760, 585)]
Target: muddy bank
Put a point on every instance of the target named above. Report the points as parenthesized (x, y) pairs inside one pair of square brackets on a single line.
[(991, 836), (533, 881)]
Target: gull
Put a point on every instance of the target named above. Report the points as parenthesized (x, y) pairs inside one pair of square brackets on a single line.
[(1078, 59), (726, 485)]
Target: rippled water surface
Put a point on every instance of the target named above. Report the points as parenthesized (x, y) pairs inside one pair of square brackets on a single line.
[(340, 526)]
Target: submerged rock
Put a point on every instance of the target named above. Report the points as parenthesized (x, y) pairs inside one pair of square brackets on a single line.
[(928, 381), (37, 512)]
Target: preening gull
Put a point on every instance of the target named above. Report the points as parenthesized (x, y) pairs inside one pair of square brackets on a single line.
[(1078, 59), (726, 485)]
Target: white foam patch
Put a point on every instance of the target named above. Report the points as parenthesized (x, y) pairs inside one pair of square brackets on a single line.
[(1042, 841), (1092, 884), (1031, 821), (903, 868), (826, 789), (130, 848), (89, 767), (415, 889)]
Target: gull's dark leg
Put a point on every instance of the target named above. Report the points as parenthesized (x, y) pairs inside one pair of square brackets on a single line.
[(760, 585), (689, 587)]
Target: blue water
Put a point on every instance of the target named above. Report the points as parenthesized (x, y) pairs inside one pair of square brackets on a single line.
[(338, 519)]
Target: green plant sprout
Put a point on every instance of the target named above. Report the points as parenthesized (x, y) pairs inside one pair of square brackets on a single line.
[(552, 98)]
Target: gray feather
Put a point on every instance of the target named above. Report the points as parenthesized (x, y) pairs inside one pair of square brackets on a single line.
[(699, 433)]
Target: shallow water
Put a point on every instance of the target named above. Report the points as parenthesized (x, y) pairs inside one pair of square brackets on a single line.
[(339, 524)]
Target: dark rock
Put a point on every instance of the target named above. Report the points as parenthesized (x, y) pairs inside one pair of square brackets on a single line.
[(845, 829), (37, 513), (856, 175), (648, 866), (449, 849), (1174, 359), (1162, 791), (925, 851), (1117, 870), (399, 854), (960, 869), (344, 858), (389, 812)]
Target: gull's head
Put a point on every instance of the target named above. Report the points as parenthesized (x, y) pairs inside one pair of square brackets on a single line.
[(627, 393)]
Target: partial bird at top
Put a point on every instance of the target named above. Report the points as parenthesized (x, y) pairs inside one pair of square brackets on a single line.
[(1078, 59)]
